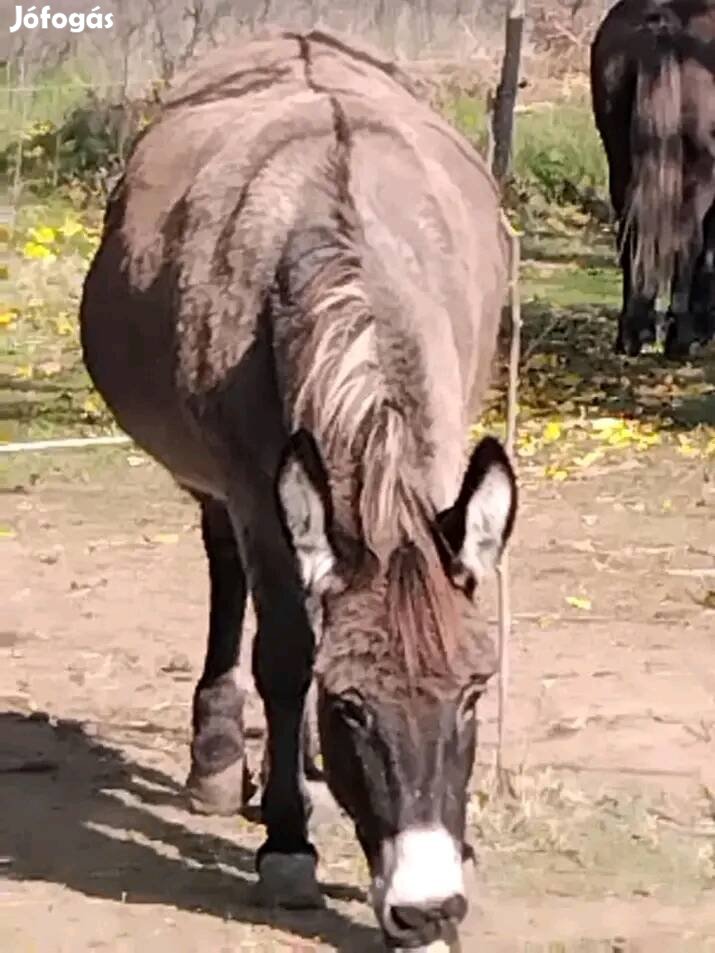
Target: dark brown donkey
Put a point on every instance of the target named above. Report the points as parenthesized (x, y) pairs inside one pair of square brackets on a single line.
[(294, 309), (653, 87)]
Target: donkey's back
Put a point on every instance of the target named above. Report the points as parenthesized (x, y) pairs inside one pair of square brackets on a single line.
[(236, 168)]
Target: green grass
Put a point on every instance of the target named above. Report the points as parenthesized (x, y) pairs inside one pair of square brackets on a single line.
[(557, 150), (569, 286)]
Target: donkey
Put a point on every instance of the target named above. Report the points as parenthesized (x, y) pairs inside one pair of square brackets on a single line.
[(652, 77), (294, 308)]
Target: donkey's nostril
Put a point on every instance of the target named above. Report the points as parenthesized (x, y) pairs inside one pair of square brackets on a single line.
[(415, 918), (410, 917), (454, 908)]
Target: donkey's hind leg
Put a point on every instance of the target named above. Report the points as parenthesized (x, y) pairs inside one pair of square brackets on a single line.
[(219, 782), (683, 331), (636, 322), (702, 294)]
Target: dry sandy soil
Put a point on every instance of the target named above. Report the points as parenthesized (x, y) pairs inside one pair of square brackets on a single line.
[(606, 844)]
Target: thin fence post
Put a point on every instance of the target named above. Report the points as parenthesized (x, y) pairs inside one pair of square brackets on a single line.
[(503, 576), (17, 176), (58, 138)]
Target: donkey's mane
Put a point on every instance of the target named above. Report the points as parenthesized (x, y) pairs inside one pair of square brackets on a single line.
[(422, 612), (362, 380), (362, 394)]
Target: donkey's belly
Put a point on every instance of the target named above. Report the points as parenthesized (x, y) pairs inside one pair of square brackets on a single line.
[(129, 353), (206, 440), (154, 418)]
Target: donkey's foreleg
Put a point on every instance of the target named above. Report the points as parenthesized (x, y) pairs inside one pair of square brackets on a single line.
[(219, 782), (282, 665)]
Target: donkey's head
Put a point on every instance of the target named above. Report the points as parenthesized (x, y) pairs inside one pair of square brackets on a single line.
[(400, 667)]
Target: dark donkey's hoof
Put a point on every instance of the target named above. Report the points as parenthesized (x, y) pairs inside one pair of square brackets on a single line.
[(288, 880), (633, 335), (680, 341)]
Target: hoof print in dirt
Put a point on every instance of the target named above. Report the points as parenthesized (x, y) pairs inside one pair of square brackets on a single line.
[(289, 881), (224, 793)]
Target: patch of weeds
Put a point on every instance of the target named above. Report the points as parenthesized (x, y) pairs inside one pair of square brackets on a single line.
[(44, 388), (550, 837)]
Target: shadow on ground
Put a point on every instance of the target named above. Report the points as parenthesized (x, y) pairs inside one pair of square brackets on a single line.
[(568, 366), (76, 812)]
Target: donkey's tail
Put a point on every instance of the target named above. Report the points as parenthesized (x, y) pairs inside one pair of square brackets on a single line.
[(652, 222)]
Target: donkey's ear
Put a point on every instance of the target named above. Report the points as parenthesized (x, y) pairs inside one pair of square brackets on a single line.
[(306, 506), (477, 528)]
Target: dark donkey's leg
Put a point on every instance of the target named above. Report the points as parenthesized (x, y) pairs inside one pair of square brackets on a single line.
[(682, 330), (636, 322), (702, 293), (219, 782), (282, 664)]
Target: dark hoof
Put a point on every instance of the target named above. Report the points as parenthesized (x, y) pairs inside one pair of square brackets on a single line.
[(647, 334), (288, 880), (676, 347), (633, 345), (226, 792), (633, 335)]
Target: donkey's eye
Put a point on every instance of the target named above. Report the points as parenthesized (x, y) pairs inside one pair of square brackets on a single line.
[(353, 710)]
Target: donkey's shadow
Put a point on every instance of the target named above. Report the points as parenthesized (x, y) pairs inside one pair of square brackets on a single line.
[(68, 804)]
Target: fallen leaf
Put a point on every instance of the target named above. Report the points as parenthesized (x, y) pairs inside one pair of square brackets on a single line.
[(579, 602), (70, 228), (43, 234), (165, 538), (552, 431), (37, 251), (593, 456), (559, 474), (49, 368)]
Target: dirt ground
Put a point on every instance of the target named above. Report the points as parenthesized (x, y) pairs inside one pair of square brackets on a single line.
[(605, 845)]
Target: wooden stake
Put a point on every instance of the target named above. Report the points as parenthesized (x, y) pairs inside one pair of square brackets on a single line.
[(503, 571)]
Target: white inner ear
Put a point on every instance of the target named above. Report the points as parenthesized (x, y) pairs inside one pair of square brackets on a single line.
[(305, 518), (485, 522)]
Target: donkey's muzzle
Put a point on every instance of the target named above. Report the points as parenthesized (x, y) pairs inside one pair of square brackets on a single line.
[(425, 923)]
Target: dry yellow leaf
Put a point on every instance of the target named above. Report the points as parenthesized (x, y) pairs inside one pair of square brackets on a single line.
[(70, 228), (37, 251), (579, 602), (43, 234), (552, 431)]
